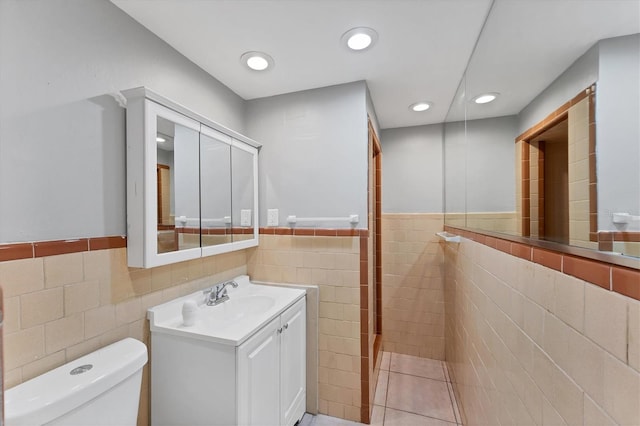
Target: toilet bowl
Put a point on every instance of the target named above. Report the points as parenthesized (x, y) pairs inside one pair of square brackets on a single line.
[(101, 388)]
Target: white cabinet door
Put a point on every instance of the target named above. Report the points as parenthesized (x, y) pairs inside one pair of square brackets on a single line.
[(259, 377), (293, 371)]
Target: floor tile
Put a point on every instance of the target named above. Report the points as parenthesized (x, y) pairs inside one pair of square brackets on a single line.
[(380, 398), (416, 366), (420, 395), (322, 420), (454, 402), (402, 418), (386, 359)]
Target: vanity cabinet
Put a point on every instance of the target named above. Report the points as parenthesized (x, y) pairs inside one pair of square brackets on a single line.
[(274, 358), (260, 382), (192, 184)]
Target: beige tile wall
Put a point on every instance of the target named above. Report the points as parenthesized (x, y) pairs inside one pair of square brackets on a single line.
[(333, 264), (530, 345), (412, 285), (61, 307), (504, 222), (579, 175), (534, 193)]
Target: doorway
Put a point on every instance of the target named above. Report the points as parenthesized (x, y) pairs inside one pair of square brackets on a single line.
[(553, 185)]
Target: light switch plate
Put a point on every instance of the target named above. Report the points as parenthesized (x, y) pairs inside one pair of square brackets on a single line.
[(245, 217), (272, 217)]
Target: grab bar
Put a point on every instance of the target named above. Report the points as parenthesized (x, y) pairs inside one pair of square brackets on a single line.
[(352, 219), (184, 220)]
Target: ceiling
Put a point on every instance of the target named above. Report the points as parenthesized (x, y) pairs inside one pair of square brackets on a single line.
[(422, 51)]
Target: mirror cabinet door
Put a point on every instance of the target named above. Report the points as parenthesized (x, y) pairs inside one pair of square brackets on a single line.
[(215, 187), (177, 197), (243, 190)]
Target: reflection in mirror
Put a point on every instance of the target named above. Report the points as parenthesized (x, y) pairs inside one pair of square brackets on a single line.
[(242, 194), (536, 162), (455, 161), (215, 169), (177, 149)]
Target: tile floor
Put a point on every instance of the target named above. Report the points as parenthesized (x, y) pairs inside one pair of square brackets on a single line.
[(411, 391)]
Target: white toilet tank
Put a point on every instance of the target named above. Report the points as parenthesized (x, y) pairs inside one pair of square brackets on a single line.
[(98, 389)]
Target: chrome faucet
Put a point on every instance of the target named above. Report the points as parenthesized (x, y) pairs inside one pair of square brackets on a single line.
[(218, 293)]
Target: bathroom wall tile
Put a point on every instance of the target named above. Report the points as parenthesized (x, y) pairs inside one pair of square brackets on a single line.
[(542, 289), (129, 311), (587, 366), (63, 269), (103, 243), (556, 340), (41, 307), (534, 321), (41, 366), (595, 415), (547, 258), (634, 335), (567, 398), (12, 378), (550, 416), (21, 276), (621, 390), (64, 332), (83, 348), (114, 335), (626, 281), (53, 248), (15, 251), (23, 347), (569, 300), (606, 320), (591, 271), (12, 315), (81, 297), (99, 320)]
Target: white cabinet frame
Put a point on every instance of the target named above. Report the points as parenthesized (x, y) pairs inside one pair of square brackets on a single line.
[(143, 108)]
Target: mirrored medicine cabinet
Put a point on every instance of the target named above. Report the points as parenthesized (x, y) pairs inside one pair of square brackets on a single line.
[(192, 184)]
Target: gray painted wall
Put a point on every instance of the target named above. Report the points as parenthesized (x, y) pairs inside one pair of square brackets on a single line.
[(412, 169), (618, 131), (580, 75), (62, 138), (313, 161), (491, 181)]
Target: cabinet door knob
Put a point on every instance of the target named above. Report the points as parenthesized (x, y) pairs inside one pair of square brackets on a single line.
[(280, 330), (286, 326)]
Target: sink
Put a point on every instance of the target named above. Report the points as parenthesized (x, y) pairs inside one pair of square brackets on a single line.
[(250, 306), (253, 304)]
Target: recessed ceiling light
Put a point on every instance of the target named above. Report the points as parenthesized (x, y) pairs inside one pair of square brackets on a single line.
[(257, 61), (160, 139), (485, 98), (360, 38), (420, 106)]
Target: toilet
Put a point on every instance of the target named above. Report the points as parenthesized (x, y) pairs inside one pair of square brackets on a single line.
[(101, 388)]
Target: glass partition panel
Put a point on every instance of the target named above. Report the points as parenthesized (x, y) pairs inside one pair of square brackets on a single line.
[(215, 192), (554, 156), (455, 160)]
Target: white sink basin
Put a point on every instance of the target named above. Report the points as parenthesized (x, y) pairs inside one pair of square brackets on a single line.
[(250, 306)]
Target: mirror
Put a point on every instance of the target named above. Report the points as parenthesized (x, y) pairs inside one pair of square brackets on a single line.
[(177, 187), (215, 196), (562, 163)]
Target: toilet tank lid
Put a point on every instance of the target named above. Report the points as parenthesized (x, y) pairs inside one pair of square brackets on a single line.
[(58, 391)]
